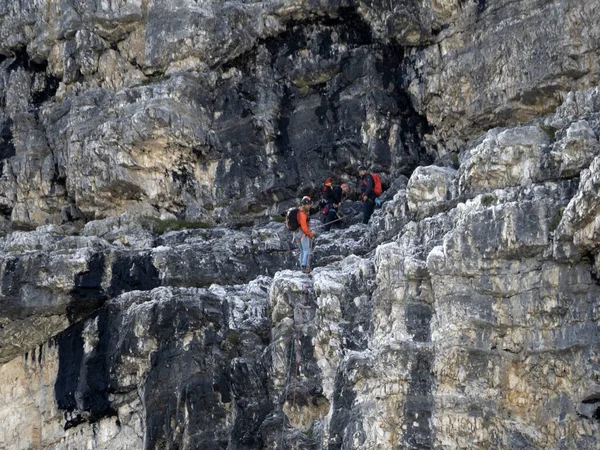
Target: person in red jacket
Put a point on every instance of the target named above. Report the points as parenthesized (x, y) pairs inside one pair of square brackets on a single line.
[(304, 235), (326, 192)]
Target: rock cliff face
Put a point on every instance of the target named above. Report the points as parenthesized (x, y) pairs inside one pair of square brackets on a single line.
[(149, 293)]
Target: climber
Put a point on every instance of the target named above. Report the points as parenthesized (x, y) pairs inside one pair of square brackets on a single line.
[(367, 185), (325, 193), (304, 236), (335, 199)]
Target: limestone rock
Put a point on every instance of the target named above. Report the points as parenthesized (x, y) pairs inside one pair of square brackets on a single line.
[(577, 230), (51, 278), (144, 109), (148, 291), (92, 374), (503, 159), (482, 74), (577, 149), (430, 188)]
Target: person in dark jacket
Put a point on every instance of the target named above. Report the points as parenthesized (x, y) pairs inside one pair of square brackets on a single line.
[(334, 201), (367, 193)]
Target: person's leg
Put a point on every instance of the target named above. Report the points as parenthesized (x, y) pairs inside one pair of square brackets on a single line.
[(330, 218), (368, 208), (300, 250), (305, 244), (324, 210)]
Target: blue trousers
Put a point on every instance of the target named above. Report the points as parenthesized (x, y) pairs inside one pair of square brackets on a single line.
[(304, 247)]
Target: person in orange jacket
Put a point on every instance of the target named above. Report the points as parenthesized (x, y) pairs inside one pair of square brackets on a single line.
[(304, 235)]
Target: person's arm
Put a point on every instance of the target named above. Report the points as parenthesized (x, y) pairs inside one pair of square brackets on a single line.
[(323, 198), (303, 224)]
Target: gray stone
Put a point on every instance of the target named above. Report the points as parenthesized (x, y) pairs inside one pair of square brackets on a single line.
[(577, 149), (149, 293), (431, 189), (504, 158)]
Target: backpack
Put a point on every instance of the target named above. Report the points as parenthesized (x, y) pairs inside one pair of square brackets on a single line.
[(291, 219), (377, 190)]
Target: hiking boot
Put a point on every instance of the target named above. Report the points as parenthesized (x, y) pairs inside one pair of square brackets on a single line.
[(305, 270)]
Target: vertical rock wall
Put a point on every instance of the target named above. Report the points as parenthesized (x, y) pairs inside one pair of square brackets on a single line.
[(463, 316)]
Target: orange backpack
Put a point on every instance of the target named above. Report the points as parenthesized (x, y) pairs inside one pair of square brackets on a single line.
[(377, 190)]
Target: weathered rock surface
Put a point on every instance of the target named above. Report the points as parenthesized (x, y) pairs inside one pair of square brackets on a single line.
[(50, 278), (217, 111), (431, 188), (149, 298), (498, 63), (464, 316), (139, 363)]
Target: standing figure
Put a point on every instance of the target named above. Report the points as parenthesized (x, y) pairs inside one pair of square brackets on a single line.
[(368, 196), (303, 235)]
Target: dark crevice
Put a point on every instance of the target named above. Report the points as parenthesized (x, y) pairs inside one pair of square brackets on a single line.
[(50, 83), (480, 6), (88, 293), (354, 31), (94, 392), (22, 60), (50, 87), (594, 411), (341, 428), (7, 147), (70, 357), (83, 383), (133, 272), (59, 178), (589, 257), (595, 398), (418, 405), (509, 350), (441, 28)]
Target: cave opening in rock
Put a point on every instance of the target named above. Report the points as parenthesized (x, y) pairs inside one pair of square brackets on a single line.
[(336, 100)]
